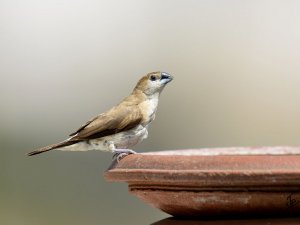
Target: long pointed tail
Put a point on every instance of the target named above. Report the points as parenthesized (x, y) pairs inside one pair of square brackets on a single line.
[(51, 147)]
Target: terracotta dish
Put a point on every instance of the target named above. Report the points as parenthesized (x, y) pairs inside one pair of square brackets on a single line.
[(223, 181)]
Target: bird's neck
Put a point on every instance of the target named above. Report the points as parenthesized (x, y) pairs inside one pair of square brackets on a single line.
[(138, 92)]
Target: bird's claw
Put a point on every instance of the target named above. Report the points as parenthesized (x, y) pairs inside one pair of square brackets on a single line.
[(121, 153), (118, 155)]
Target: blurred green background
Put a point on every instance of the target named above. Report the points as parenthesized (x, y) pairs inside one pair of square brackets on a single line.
[(237, 83)]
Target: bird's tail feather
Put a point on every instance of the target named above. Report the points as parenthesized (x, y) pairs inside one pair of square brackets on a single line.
[(51, 147)]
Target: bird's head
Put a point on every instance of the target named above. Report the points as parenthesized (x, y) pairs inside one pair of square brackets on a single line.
[(153, 82)]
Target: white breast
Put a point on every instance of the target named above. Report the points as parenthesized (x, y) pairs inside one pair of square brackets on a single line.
[(149, 108)]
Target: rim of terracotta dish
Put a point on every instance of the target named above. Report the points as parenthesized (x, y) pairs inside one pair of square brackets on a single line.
[(269, 166), (277, 150)]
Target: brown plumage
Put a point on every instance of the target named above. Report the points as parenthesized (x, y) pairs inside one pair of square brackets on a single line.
[(123, 126)]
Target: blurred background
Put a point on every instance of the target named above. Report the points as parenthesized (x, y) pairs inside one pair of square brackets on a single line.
[(237, 83)]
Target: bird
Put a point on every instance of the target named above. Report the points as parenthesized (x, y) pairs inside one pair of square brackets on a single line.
[(123, 126)]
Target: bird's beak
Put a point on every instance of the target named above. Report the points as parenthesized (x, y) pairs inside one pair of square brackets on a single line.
[(165, 77)]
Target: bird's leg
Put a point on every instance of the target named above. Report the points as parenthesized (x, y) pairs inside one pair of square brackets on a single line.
[(118, 155)]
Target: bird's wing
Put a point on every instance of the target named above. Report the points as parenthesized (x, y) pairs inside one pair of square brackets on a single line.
[(116, 120), (84, 125)]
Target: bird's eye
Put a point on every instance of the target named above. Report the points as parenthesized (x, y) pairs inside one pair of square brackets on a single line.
[(153, 78)]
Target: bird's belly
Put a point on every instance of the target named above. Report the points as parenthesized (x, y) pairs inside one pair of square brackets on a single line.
[(128, 139), (125, 139)]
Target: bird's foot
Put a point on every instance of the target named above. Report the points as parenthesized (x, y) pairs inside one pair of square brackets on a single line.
[(118, 155), (121, 153)]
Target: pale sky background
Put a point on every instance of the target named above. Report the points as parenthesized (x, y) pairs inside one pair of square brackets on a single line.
[(237, 83)]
